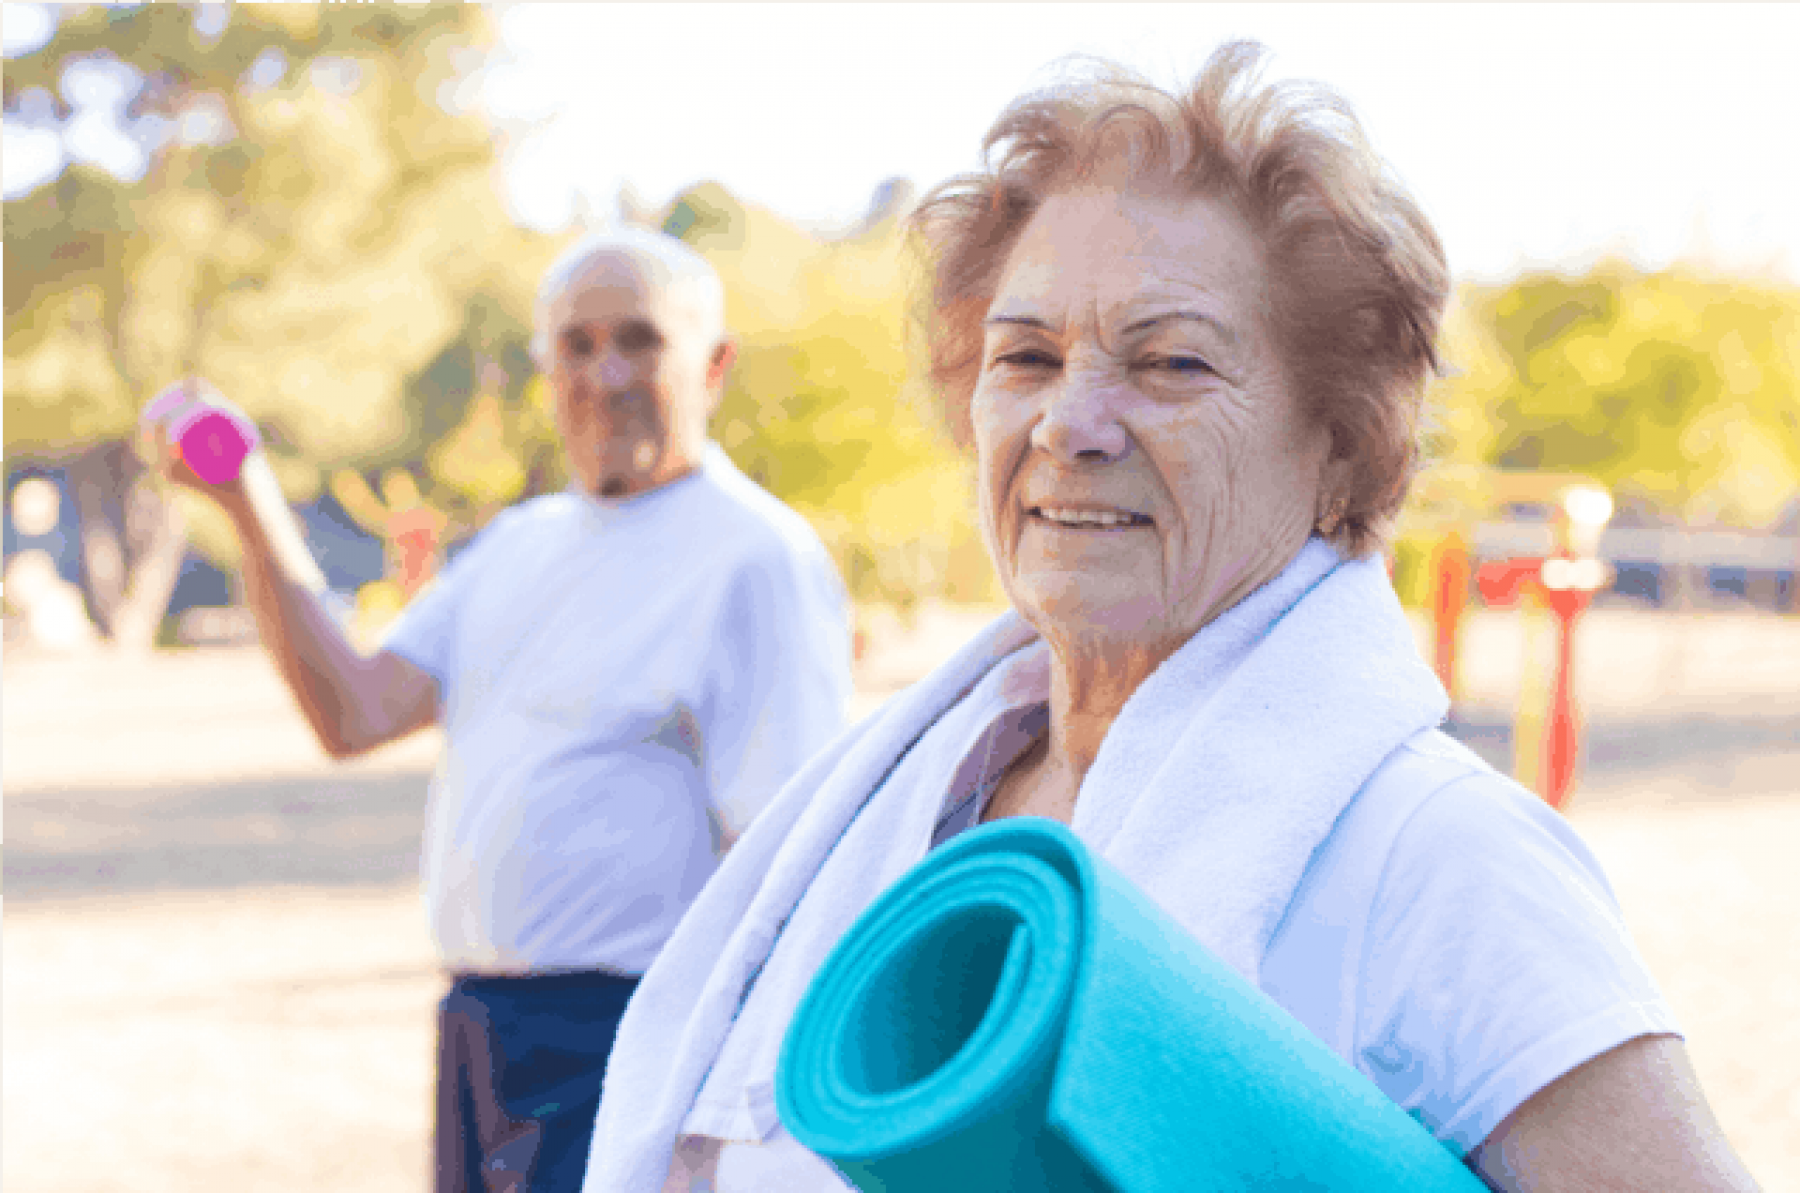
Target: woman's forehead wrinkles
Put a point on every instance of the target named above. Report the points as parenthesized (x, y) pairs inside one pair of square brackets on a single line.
[(1053, 278), (1132, 316)]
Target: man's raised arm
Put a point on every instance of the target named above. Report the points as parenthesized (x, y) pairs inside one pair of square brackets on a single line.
[(353, 702)]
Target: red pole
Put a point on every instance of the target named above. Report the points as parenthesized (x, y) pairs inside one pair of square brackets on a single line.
[(1562, 736), (1449, 597)]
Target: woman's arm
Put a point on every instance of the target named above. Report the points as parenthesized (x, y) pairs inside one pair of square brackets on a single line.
[(1630, 1119)]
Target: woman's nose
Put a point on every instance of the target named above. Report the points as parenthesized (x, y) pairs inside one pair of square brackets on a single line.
[(1079, 424)]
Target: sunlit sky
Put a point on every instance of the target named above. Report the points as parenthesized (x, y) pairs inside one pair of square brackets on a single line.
[(1532, 135)]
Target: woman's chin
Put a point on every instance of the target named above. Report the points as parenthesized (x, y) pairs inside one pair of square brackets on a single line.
[(1087, 606)]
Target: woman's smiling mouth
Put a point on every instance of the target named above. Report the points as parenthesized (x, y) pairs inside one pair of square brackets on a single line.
[(1088, 517)]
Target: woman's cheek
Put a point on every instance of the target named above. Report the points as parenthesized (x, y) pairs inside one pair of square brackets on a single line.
[(990, 484), (1001, 438)]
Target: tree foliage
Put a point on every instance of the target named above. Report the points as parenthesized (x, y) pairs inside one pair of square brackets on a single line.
[(307, 235), (315, 228), (825, 407), (1679, 390)]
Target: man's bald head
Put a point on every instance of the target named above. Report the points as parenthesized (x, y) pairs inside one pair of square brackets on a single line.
[(653, 260)]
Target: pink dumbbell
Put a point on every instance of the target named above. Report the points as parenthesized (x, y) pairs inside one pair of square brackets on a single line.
[(213, 439)]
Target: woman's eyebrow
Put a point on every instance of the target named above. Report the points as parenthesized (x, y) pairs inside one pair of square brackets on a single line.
[(1018, 321), (1150, 321)]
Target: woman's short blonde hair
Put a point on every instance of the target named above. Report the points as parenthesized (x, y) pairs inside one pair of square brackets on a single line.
[(1358, 276)]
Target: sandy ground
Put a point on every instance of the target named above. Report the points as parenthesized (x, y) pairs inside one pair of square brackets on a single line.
[(217, 976)]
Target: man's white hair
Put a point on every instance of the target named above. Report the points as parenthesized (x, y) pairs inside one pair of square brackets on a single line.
[(665, 261)]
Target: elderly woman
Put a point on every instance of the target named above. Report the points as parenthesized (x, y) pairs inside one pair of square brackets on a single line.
[(1188, 335)]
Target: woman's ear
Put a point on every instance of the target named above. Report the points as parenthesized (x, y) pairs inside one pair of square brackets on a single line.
[(1334, 478)]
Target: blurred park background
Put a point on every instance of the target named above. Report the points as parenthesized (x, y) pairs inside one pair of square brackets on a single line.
[(216, 970)]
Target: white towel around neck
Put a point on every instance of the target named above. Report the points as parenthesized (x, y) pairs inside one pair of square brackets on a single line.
[(1222, 775)]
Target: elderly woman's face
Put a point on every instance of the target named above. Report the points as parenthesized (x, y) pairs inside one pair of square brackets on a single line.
[(1144, 463)]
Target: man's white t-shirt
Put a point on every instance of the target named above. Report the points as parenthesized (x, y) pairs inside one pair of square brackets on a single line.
[(610, 672)]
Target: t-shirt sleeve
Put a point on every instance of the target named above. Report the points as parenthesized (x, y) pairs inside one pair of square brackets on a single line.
[(782, 686), (425, 632), (1496, 961)]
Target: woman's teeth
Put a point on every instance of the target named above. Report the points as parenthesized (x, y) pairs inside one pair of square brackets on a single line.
[(1090, 517)]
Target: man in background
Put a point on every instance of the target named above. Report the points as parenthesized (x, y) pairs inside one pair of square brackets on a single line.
[(624, 672)]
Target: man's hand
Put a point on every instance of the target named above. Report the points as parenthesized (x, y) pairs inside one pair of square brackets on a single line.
[(156, 444)]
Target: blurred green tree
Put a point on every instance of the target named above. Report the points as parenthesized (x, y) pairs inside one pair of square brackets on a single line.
[(1679, 390), (315, 230), (825, 407)]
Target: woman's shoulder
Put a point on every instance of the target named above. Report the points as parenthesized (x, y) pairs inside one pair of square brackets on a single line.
[(1482, 952), (1448, 818), (1439, 863), (1437, 840)]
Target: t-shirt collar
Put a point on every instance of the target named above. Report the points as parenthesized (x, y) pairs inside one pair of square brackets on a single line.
[(614, 509)]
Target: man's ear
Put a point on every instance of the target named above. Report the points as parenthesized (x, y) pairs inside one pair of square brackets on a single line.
[(724, 355)]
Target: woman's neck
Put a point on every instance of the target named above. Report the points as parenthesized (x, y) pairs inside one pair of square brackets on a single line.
[(1089, 685)]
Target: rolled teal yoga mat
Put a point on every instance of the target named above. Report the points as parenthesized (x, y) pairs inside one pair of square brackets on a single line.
[(1014, 1014)]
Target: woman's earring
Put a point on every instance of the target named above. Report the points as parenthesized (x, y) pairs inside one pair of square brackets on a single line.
[(1334, 517)]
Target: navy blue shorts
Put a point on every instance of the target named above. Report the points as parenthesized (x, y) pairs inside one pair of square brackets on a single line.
[(520, 1062)]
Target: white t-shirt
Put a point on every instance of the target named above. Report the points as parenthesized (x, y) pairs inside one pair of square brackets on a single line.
[(609, 672), (1453, 939)]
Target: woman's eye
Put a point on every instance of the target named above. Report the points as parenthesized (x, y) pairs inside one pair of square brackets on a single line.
[(1181, 364), (1027, 358)]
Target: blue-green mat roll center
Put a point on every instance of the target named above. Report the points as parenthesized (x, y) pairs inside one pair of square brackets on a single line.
[(943, 987), (950, 1006)]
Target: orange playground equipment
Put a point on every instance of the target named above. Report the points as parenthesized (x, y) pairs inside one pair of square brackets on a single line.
[(1552, 590)]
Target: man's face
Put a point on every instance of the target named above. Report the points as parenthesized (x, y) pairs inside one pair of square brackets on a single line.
[(634, 366)]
